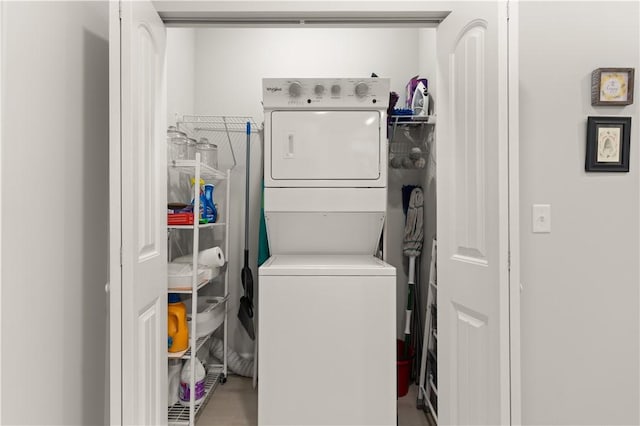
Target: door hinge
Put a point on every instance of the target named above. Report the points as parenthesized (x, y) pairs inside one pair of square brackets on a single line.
[(120, 256), (508, 11)]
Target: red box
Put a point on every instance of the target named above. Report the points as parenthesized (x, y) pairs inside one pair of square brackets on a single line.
[(180, 218)]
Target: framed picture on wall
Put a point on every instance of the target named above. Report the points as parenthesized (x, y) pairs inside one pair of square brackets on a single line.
[(608, 140), (612, 86)]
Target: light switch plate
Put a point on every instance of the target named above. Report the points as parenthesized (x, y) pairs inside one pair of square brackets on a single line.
[(541, 218)]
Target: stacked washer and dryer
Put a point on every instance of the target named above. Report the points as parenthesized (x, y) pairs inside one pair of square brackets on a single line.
[(327, 317)]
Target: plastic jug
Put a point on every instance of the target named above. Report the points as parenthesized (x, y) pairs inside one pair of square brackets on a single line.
[(185, 378), (175, 367), (177, 327)]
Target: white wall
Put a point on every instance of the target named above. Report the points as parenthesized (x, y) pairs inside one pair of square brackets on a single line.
[(232, 62), (180, 72), (230, 65), (55, 206), (580, 325)]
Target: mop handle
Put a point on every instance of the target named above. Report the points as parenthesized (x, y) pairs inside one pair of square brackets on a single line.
[(246, 206)]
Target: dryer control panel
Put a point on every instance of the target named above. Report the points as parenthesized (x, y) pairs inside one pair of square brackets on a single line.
[(314, 93)]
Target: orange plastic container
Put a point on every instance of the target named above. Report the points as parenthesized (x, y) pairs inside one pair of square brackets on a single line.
[(177, 327)]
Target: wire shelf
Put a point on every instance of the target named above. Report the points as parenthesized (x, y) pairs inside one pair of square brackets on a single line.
[(402, 148), (410, 146), (413, 119), (200, 226), (179, 414), (199, 344), (186, 354), (408, 155), (221, 123), (223, 131), (189, 166)]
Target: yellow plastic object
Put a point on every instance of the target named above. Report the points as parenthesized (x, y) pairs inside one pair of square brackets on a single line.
[(193, 180), (177, 327)]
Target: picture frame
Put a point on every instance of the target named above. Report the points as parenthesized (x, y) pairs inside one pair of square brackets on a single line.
[(612, 86), (608, 144)]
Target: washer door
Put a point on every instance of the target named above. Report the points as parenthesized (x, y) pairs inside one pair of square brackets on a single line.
[(325, 145)]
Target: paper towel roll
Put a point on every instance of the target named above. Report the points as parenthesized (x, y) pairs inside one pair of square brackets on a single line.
[(213, 257), (216, 254)]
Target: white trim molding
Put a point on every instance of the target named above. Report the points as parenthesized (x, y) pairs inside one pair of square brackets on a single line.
[(514, 214), (2, 74), (114, 287), (238, 14)]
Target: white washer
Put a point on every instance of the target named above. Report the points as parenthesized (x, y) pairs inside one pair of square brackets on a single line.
[(327, 306), (327, 341)]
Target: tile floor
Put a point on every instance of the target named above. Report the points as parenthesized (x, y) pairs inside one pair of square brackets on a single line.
[(236, 404)]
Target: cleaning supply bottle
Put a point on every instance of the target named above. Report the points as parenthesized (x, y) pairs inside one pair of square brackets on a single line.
[(175, 367), (185, 380), (177, 328), (202, 210), (209, 207)]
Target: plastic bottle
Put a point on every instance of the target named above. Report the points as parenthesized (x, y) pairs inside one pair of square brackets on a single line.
[(177, 327), (209, 207), (175, 367), (185, 379), (201, 214)]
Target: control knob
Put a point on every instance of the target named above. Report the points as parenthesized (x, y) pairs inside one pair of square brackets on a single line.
[(319, 89), (295, 89), (362, 89), (335, 90)]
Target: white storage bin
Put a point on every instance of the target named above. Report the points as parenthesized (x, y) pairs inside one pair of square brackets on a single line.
[(180, 275), (210, 314)]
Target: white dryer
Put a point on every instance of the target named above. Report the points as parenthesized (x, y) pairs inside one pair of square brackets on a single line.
[(327, 306)]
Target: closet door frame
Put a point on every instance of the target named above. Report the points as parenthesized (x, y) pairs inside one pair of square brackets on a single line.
[(407, 11)]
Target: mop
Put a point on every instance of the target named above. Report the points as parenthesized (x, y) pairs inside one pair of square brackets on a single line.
[(411, 247), (245, 314)]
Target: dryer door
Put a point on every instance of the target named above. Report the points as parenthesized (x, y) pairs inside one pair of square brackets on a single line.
[(325, 145)]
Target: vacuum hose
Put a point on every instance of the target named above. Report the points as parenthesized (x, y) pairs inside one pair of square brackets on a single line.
[(236, 363)]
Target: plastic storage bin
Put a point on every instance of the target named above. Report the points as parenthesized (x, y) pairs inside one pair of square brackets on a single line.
[(210, 314)]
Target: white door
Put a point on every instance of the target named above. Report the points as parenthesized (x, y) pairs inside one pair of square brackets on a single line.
[(325, 145), (138, 160), (472, 179)]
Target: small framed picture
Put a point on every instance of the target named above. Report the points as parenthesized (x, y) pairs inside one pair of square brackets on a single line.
[(608, 140), (612, 86)]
